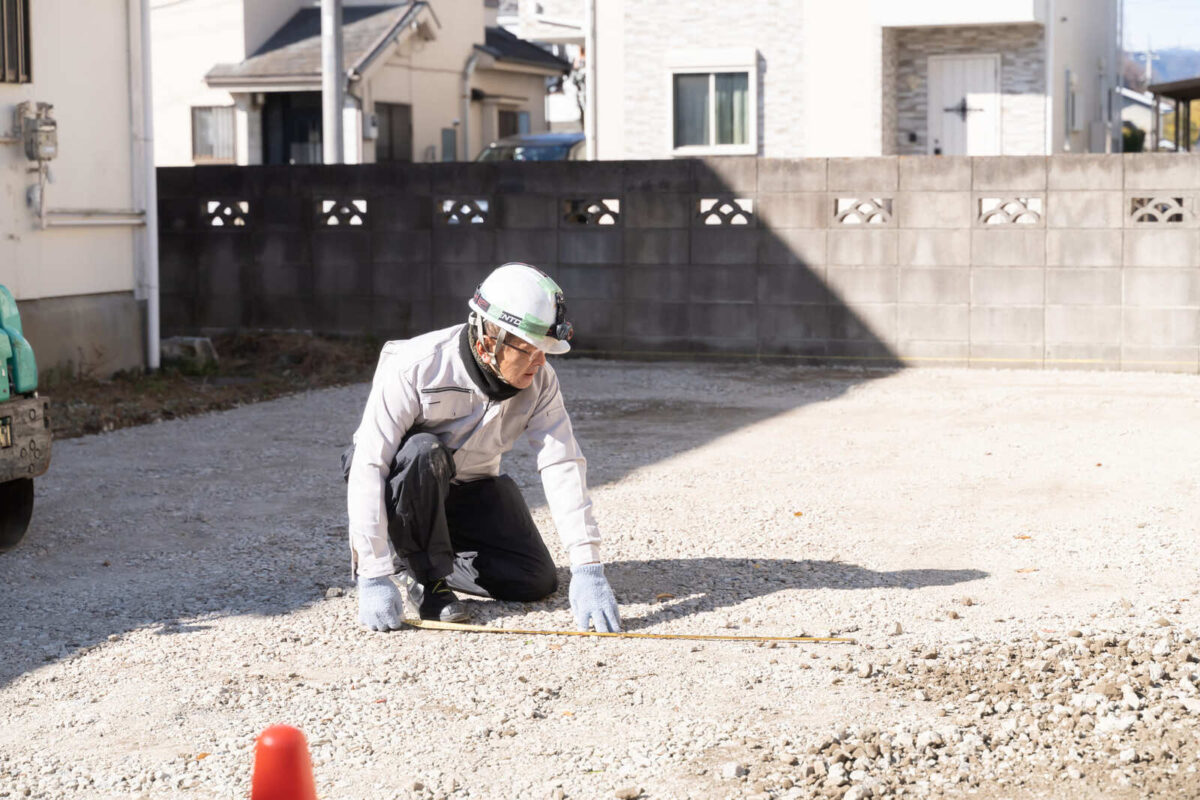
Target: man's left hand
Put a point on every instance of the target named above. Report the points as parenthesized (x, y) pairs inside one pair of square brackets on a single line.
[(592, 599)]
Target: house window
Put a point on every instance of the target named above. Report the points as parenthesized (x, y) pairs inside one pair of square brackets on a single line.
[(713, 102), (14, 41), (510, 123), (213, 135)]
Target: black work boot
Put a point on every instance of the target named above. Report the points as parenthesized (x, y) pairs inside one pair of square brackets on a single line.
[(435, 601)]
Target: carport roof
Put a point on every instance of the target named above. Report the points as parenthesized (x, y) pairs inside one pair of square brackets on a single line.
[(293, 53), (1178, 90)]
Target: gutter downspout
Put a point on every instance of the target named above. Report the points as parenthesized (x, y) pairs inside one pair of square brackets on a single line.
[(140, 92), (1051, 35), (151, 237), (589, 81), (468, 70)]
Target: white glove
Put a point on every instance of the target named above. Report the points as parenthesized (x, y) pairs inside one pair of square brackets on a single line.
[(592, 599), (380, 604)]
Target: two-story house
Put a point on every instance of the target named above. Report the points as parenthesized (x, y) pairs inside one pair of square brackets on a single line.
[(800, 78), (239, 81)]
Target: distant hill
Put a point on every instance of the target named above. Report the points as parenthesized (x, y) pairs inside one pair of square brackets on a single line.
[(1175, 64)]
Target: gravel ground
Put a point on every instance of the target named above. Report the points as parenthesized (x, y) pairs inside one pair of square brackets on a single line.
[(1013, 551)]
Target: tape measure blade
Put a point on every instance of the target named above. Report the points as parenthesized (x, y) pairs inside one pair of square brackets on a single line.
[(469, 628)]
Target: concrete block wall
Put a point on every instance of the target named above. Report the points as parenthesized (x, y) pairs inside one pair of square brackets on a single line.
[(1064, 262)]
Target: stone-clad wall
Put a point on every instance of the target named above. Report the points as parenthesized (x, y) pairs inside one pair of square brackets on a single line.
[(1062, 262), (1022, 82)]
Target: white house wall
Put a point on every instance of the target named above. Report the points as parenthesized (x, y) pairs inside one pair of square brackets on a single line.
[(842, 78), (830, 72), (189, 38), (1084, 42), (610, 79), (75, 285)]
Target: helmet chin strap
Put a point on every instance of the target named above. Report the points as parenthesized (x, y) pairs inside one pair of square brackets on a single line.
[(492, 363)]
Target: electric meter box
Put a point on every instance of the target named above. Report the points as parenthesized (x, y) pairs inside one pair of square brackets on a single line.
[(39, 131)]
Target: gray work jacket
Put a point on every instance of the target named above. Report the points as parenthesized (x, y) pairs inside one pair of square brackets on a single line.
[(422, 385)]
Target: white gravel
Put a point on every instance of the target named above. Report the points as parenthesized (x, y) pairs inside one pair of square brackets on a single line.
[(1014, 552)]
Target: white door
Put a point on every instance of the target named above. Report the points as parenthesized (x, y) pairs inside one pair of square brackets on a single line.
[(964, 105)]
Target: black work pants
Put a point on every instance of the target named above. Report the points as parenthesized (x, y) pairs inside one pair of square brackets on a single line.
[(479, 535)]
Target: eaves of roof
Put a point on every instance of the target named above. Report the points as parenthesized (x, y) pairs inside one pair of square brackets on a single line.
[(292, 57)]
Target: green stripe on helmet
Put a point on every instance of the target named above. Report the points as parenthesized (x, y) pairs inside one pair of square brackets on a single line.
[(547, 283)]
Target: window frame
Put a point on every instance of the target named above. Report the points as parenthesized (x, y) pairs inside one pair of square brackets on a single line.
[(712, 62), (199, 159), (24, 39)]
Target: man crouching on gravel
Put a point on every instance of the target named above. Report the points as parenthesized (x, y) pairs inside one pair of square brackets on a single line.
[(424, 470)]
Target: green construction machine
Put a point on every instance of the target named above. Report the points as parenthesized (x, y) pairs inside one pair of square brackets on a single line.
[(24, 425)]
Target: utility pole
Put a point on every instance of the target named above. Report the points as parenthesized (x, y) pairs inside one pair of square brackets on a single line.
[(1150, 59), (333, 82)]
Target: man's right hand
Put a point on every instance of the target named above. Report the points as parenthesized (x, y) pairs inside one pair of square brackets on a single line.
[(380, 604)]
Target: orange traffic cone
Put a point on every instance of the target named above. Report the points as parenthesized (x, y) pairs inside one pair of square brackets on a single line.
[(282, 768)]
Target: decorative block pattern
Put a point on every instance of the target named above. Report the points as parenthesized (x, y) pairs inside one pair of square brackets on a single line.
[(226, 213), (869, 211), (604, 211), (465, 211), (725, 210), (342, 212), (1158, 209), (1010, 210)]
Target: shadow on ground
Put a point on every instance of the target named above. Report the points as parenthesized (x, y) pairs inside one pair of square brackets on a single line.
[(172, 526), (707, 584)]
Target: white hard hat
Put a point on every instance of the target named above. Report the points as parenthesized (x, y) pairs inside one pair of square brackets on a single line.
[(524, 301)]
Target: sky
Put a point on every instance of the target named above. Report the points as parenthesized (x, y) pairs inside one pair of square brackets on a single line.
[(1162, 23)]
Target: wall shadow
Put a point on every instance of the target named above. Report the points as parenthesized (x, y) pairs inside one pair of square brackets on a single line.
[(720, 261), (724, 261)]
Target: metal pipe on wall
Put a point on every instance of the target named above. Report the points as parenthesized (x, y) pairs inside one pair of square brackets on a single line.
[(1049, 31), (468, 70), (150, 239), (589, 83), (333, 82), (111, 222)]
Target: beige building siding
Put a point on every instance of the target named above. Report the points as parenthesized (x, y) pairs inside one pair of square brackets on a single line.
[(75, 286), (428, 76), (1022, 81), (93, 168)]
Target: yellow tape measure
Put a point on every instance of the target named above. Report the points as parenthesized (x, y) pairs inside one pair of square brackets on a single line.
[(434, 625)]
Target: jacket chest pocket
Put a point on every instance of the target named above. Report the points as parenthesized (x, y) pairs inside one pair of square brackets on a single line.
[(448, 403)]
